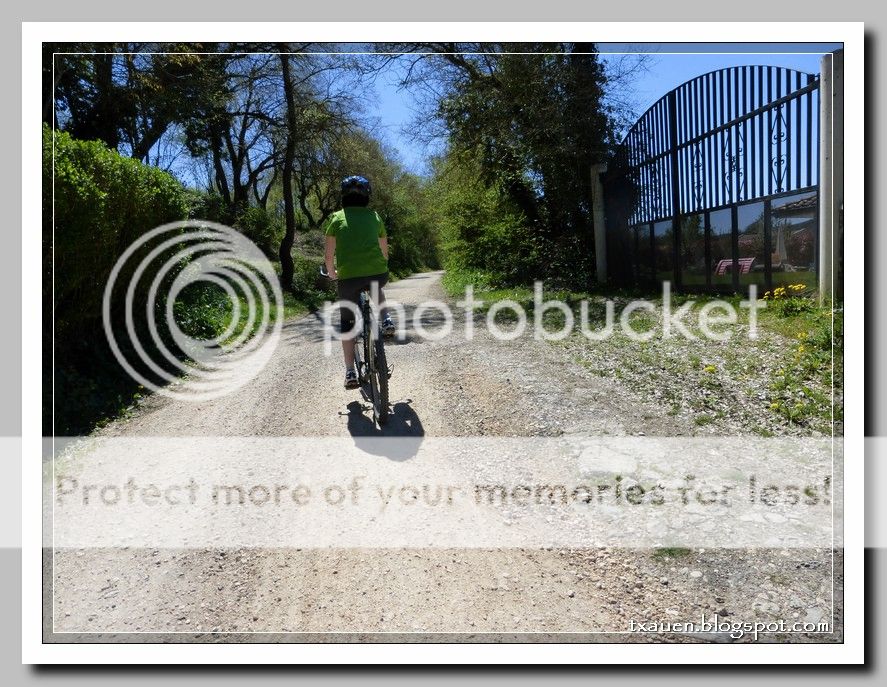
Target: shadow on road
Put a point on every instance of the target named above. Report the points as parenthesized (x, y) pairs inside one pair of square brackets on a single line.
[(398, 440)]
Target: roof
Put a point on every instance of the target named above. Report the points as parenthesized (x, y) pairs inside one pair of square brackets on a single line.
[(798, 206)]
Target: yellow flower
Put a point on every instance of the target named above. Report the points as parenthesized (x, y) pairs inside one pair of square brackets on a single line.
[(710, 369), (774, 405)]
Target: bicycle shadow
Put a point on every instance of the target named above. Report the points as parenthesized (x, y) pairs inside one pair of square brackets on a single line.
[(398, 440)]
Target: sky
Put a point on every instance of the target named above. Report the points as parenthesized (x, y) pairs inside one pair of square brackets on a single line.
[(671, 65)]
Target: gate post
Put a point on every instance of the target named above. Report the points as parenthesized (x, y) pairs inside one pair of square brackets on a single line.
[(598, 221), (831, 172)]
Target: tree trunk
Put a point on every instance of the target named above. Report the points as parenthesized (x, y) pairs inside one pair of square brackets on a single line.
[(221, 180), (289, 237), (303, 204)]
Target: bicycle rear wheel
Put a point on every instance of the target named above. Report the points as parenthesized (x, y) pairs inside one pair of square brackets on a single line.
[(380, 382), (362, 344)]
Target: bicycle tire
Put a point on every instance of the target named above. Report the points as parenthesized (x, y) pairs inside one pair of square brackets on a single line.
[(364, 375), (375, 363), (381, 372)]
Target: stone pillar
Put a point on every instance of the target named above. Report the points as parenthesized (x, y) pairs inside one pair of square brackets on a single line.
[(599, 221)]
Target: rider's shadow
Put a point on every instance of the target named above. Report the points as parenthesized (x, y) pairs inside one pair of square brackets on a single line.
[(398, 440)]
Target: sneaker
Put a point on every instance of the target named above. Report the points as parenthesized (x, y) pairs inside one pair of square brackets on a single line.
[(388, 327), (351, 381)]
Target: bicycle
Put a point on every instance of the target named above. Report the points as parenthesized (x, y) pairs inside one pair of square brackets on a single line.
[(370, 362)]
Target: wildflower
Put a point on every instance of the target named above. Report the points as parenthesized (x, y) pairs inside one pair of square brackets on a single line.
[(710, 369), (774, 405)]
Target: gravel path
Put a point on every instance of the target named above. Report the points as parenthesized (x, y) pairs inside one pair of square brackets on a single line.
[(439, 389)]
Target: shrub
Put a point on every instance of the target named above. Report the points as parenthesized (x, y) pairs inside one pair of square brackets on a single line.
[(308, 285), (257, 224), (262, 228), (202, 310), (210, 206), (102, 203), (482, 230)]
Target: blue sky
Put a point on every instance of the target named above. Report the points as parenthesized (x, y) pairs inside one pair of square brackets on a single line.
[(671, 65)]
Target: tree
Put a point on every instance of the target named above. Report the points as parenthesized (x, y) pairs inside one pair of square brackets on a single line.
[(535, 117), (286, 245), (261, 124), (238, 129), (127, 95)]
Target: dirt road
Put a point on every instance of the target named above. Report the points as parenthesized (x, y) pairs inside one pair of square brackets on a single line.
[(448, 388)]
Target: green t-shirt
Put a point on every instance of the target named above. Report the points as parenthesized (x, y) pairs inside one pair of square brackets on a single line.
[(357, 231)]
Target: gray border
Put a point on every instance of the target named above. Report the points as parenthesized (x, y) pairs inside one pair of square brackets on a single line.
[(792, 10)]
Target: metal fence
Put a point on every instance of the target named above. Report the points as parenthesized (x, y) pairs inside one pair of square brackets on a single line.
[(715, 186)]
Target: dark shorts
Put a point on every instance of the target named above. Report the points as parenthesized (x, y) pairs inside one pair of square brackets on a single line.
[(349, 291)]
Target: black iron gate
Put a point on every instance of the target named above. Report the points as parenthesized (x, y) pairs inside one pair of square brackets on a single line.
[(716, 185)]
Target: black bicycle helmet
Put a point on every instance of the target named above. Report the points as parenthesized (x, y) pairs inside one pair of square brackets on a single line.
[(356, 185)]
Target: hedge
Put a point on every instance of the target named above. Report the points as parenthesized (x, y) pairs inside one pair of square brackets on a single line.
[(95, 204), (102, 203)]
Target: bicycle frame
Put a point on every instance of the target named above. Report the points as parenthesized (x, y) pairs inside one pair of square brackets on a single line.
[(369, 358)]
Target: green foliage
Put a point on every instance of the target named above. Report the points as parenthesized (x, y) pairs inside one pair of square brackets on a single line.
[(817, 356), (481, 229), (670, 553), (534, 124), (262, 228), (412, 239), (309, 286), (788, 307), (127, 98), (209, 206), (790, 300), (456, 279), (102, 203), (202, 310)]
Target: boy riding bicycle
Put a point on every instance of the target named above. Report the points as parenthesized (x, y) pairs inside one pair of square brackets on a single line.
[(357, 256)]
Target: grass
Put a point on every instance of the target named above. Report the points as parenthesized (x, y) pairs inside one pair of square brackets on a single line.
[(779, 383)]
